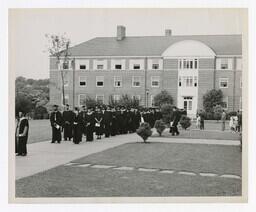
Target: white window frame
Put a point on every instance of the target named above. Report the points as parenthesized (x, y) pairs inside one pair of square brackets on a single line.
[(157, 78), (79, 99), (99, 80), (225, 99), (152, 61), (116, 79), (192, 63), (102, 95), (219, 62), (222, 80), (97, 62), (133, 80), (133, 62), (80, 62), (82, 81), (116, 97), (115, 62)]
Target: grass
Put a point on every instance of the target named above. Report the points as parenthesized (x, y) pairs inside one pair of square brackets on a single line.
[(68, 181), (39, 130)]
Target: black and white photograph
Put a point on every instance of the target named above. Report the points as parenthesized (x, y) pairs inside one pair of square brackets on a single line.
[(128, 105)]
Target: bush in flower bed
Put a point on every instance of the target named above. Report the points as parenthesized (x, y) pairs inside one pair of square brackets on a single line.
[(185, 122), (144, 131), (160, 126)]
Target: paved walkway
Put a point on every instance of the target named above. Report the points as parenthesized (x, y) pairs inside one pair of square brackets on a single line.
[(44, 155)]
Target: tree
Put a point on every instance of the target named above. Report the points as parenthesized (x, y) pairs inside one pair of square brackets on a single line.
[(125, 101), (58, 46), (160, 126), (211, 99), (163, 98), (144, 131), (22, 104), (185, 122)]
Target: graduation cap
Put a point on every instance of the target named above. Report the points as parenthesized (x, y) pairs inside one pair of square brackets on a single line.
[(55, 106)]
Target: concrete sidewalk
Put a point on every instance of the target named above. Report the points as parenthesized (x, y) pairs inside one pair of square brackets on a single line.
[(44, 155)]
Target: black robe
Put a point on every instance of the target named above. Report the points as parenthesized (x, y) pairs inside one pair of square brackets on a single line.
[(83, 114), (98, 123), (68, 118), (21, 141), (77, 129), (56, 123), (90, 127), (113, 127), (107, 122)]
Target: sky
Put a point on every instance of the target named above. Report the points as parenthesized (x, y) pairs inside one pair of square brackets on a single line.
[(28, 54)]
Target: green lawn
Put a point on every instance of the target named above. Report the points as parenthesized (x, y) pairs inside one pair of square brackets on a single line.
[(40, 130), (71, 181)]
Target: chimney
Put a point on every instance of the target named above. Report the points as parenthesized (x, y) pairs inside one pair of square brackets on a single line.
[(120, 34), (168, 32)]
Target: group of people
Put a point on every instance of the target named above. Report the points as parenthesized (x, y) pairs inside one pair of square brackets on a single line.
[(104, 120)]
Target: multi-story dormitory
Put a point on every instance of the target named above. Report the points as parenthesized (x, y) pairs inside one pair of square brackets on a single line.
[(186, 66)]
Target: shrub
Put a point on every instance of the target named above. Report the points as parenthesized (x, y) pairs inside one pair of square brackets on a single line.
[(185, 122), (211, 99), (167, 111), (160, 126), (144, 131)]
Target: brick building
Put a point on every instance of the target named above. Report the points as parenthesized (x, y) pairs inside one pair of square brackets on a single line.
[(186, 66)]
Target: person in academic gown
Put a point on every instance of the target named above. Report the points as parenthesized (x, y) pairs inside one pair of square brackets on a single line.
[(158, 114), (90, 125), (137, 119), (118, 121), (113, 127), (68, 117), (98, 123), (83, 114), (107, 121), (56, 124), (130, 118), (77, 127), (175, 120), (123, 121), (21, 137)]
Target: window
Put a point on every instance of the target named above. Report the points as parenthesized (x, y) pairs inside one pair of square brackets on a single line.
[(81, 99), (136, 97), (225, 102), (187, 102), (116, 97), (224, 63), (136, 66), (136, 81), (82, 81), (188, 81), (66, 65), (155, 81), (117, 81), (180, 82), (82, 67), (100, 99), (155, 66), (195, 81), (188, 63), (100, 67), (223, 82), (118, 66), (99, 81)]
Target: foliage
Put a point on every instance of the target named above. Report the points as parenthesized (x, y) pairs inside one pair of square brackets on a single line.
[(58, 46), (23, 104), (163, 98), (125, 101), (217, 112), (144, 131), (166, 110), (185, 122), (92, 103), (160, 126), (211, 99), (41, 113)]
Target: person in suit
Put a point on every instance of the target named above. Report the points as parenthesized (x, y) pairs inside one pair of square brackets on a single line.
[(56, 123), (107, 121), (90, 125), (77, 127), (175, 120), (21, 135), (68, 117), (113, 127)]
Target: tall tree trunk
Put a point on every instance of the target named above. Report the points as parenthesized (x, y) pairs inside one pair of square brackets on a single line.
[(63, 90)]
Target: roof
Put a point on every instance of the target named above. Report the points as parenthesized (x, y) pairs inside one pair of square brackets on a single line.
[(154, 45)]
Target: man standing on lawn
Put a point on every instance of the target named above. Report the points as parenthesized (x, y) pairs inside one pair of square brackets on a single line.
[(68, 117), (223, 120), (175, 121), (56, 123)]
